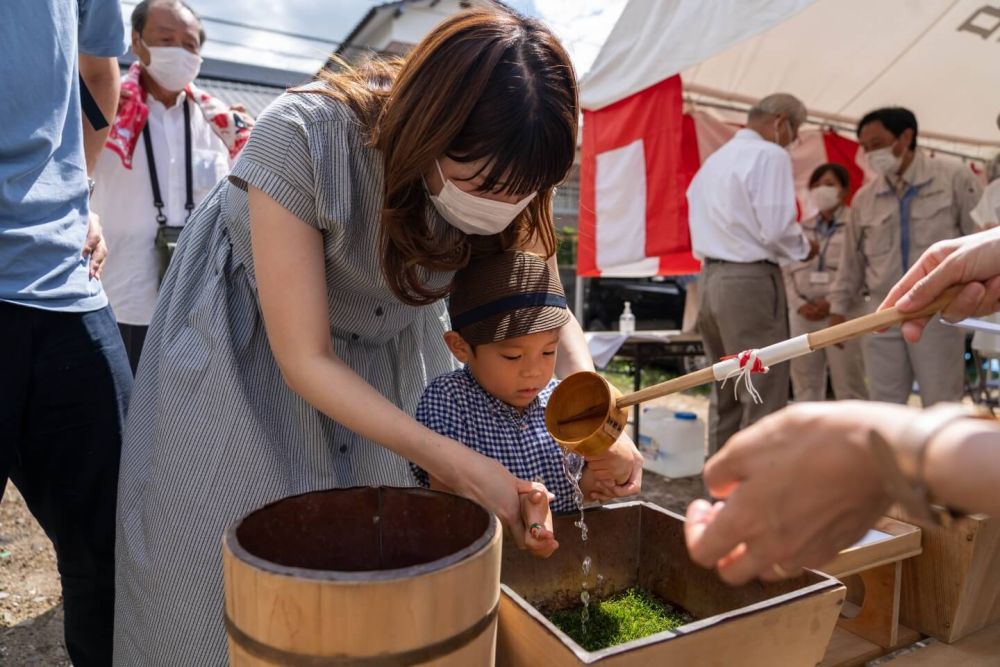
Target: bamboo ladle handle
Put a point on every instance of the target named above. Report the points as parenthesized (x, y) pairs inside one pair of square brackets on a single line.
[(834, 335)]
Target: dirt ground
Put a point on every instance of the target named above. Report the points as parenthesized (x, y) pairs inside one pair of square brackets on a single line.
[(31, 614)]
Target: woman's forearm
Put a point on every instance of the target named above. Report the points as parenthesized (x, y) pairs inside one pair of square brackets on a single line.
[(359, 407), (574, 354)]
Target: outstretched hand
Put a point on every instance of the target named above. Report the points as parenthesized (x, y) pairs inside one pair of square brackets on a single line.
[(972, 261), (796, 488)]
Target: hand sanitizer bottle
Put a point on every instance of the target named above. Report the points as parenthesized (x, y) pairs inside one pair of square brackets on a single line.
[(626, 323)]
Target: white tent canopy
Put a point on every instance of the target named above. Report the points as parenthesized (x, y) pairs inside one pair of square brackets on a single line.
[(940, 58)]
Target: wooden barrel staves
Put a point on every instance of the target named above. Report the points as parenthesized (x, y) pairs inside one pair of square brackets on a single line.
[(363, 577)]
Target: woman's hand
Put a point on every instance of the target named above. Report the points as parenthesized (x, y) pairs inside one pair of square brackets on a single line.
[(488, 483), (799, 486), (973, 261), (536, 514)]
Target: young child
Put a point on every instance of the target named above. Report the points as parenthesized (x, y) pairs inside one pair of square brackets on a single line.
[(506, 311)]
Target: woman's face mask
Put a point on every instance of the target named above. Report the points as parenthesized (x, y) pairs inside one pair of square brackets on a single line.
[(471, 214), (825, 197)]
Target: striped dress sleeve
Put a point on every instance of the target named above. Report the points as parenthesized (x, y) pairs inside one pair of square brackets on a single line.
[(278, 160)]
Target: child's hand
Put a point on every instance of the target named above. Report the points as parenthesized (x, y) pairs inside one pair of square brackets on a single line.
[(537, 517), (615, 474), (613, 467)]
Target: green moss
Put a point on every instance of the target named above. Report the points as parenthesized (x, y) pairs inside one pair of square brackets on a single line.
[(630, 615)]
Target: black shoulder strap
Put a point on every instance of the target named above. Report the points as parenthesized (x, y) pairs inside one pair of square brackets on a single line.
[(188, 168), (90, 108), (154, 179)]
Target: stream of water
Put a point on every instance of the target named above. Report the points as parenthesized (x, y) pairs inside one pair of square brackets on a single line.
[(574, 471)]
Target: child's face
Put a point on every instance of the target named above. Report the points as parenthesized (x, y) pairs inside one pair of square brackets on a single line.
[(513, 370)]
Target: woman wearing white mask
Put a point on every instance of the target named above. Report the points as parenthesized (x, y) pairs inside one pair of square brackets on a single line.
[(302, 314), (808, 287)]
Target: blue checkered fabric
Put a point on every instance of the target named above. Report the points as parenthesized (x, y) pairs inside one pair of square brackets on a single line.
[(456, 405)]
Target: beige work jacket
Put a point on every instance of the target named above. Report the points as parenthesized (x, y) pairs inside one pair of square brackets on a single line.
[(943, 193)]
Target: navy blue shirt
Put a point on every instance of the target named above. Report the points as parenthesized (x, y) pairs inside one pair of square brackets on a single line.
[(456, 406), (43, 173)]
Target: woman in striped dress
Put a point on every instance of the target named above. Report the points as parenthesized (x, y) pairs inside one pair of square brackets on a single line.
[(301, 317)]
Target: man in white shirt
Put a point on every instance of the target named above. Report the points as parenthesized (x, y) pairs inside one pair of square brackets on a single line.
[(136, 194), (742, 214)]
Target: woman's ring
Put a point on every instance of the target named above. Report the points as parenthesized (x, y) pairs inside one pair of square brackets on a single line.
[(535, 528)]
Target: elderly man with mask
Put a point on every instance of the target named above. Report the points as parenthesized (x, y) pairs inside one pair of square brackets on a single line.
[(169, 145), (742, 214), (915, 202)]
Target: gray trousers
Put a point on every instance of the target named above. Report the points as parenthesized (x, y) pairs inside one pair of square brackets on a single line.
[(742, 306), (844, 364), (936, 363)]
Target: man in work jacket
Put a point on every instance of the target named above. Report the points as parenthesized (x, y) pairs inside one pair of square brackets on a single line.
[(916, 201)]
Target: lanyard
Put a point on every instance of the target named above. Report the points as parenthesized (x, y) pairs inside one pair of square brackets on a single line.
[(904, 223), (828, 235), (154, 180)]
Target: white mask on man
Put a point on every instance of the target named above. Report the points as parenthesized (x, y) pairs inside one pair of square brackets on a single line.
[(172, 67), (825, 197), (883, 162), (472, 214), (777, 133)]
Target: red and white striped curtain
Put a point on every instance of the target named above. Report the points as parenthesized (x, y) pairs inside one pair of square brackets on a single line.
[(637, 159)]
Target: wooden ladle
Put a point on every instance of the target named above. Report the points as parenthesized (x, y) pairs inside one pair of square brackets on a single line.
[(586, 415)]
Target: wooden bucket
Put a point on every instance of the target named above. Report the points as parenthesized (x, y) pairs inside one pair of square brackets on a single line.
[(366, 577), (593, 435)]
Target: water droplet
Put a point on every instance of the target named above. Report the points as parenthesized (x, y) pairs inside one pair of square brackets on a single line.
[(586, 566), (585, 598), (600, 579)]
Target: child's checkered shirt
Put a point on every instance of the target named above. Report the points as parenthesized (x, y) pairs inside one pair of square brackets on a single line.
[(455, 405)]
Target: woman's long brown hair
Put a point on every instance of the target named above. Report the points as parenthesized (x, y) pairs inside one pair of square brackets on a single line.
[(486, 84)]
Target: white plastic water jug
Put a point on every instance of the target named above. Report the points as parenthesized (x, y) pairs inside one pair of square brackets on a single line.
[(672, 443)]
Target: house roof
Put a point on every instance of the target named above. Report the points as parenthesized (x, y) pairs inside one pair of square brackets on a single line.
[(390, 9), (238, 83), (348, 43)]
